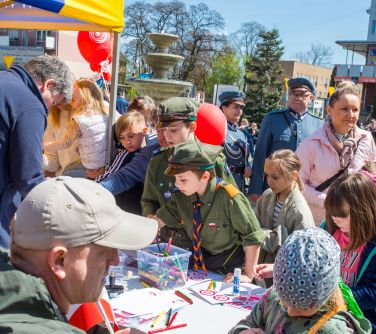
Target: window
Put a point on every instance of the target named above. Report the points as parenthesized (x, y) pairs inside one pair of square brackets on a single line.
[(373, 26), (13, 34), (41, 35)]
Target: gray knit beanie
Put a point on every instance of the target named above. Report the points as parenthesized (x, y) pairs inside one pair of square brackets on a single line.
[(307, 268)]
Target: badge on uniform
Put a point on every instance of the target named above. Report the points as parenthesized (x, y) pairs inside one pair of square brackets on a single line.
[(212, 226), (167, 194)]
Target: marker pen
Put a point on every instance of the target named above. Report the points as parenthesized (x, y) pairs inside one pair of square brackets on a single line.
[(236, 282)]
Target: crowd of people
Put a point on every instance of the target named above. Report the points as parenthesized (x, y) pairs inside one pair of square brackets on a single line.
[(293, 203)]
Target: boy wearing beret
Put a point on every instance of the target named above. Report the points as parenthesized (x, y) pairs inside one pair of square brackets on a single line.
[(177, 116), (216, 216)]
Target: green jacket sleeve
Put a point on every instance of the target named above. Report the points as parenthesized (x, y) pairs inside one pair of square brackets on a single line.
[(169, 213), (149, 199), (244, 221)]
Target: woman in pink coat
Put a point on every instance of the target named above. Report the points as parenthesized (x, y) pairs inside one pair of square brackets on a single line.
[(339, 146)]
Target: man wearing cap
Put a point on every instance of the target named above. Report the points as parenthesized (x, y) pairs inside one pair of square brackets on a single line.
[(236, 147), (63, 242), (217, 217), (177, 116), (284, 129)]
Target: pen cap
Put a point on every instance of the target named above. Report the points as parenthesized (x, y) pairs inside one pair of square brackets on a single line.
[(237, 272)]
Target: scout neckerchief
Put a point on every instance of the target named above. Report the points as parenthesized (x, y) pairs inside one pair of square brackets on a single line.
[(197, 226)]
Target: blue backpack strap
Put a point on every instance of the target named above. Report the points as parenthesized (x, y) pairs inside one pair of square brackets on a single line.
[(365, 265)]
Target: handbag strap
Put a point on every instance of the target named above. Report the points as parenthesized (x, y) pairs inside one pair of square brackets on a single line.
[(290, 125), (328, 182)]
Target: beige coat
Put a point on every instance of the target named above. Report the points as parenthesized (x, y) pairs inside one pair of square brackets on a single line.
[(294, 215)]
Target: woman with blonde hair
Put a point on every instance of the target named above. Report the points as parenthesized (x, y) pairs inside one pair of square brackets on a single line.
[(89, 124)]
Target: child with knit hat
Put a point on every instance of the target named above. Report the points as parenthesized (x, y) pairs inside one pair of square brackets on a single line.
[(307, 296)]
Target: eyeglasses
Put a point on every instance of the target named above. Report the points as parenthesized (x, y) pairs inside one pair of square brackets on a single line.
[(299, 96)]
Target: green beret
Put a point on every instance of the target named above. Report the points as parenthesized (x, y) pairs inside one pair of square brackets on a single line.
[(192, 155), (176, 109)]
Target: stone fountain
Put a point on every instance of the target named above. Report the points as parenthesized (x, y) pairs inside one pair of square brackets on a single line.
[(159, 87)]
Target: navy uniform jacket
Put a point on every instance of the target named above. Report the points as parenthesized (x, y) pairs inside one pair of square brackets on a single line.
[(236, 150), (275, 134)]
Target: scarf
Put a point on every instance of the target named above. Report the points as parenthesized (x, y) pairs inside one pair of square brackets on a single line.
[(345, 148)]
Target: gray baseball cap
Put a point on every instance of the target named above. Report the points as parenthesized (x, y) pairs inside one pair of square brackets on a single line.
[(74, 212)]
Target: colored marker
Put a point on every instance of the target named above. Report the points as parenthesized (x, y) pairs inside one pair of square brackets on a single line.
[(168, 246), (145, 284), (211, 285), (172, 319), (160, 330), (180, 268), (183, 296), (168, 316), (158, 318)]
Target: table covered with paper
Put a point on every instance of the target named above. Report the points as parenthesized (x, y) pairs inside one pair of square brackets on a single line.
[(198, 307)]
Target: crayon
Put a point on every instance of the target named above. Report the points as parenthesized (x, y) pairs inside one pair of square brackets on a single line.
[(168, 246), (168, 316)]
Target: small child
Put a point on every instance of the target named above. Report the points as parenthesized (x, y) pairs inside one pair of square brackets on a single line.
[(307, 296), (89, 124), (351, 218), (130, 130), (224, 231), (282, 208), (177, 119)]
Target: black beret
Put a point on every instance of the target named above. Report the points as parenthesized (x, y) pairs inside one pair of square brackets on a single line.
[(231, 96), (301, 82)]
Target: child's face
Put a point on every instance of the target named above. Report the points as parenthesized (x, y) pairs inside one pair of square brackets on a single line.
[(177, 133), (343, 223), (189, 183), (276, 181), (132, 137), (76, 98)]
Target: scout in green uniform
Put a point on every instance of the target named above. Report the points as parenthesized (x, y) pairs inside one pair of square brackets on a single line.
[(217, 217), (177, 116)]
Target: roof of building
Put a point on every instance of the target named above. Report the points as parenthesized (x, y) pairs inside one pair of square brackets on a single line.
[(360, 47)]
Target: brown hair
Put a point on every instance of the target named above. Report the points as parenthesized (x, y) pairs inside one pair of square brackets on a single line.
[(127, 120), (287, 162), (344, 88), (370, 167), (359, 193), (200, 173), (143, 103), (91, 96)]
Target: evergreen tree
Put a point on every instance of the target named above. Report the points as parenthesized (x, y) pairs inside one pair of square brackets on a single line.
[(263, 76)]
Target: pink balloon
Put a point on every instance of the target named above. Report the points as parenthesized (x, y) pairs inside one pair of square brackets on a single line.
[(211, 124)]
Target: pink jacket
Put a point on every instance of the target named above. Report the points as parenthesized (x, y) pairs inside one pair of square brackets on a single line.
[(320, 161)]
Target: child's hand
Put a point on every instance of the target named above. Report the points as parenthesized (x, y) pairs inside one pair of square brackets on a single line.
[(264, 270), (252, 331), (229, 278)]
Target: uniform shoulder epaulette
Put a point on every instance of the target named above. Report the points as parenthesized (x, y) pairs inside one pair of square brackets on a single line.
[(231, 190)]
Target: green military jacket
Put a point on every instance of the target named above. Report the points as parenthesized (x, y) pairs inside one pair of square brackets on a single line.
[(26, 306), (272, 317), (227, 220), (158, 187)]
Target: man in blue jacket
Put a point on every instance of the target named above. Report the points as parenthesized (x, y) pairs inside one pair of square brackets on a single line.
[(284, 129), (26, 94)]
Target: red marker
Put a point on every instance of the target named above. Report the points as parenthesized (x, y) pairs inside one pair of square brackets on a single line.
[(168, 246), (164, 329)]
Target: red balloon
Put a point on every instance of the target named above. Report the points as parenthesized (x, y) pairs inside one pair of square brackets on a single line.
[(95, 47), (96, 67), (211, 124)]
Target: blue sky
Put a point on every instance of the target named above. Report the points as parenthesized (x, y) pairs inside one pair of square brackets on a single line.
[(300, 23)]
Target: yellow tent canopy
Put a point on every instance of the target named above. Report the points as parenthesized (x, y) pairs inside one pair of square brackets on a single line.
[(77, 15)]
